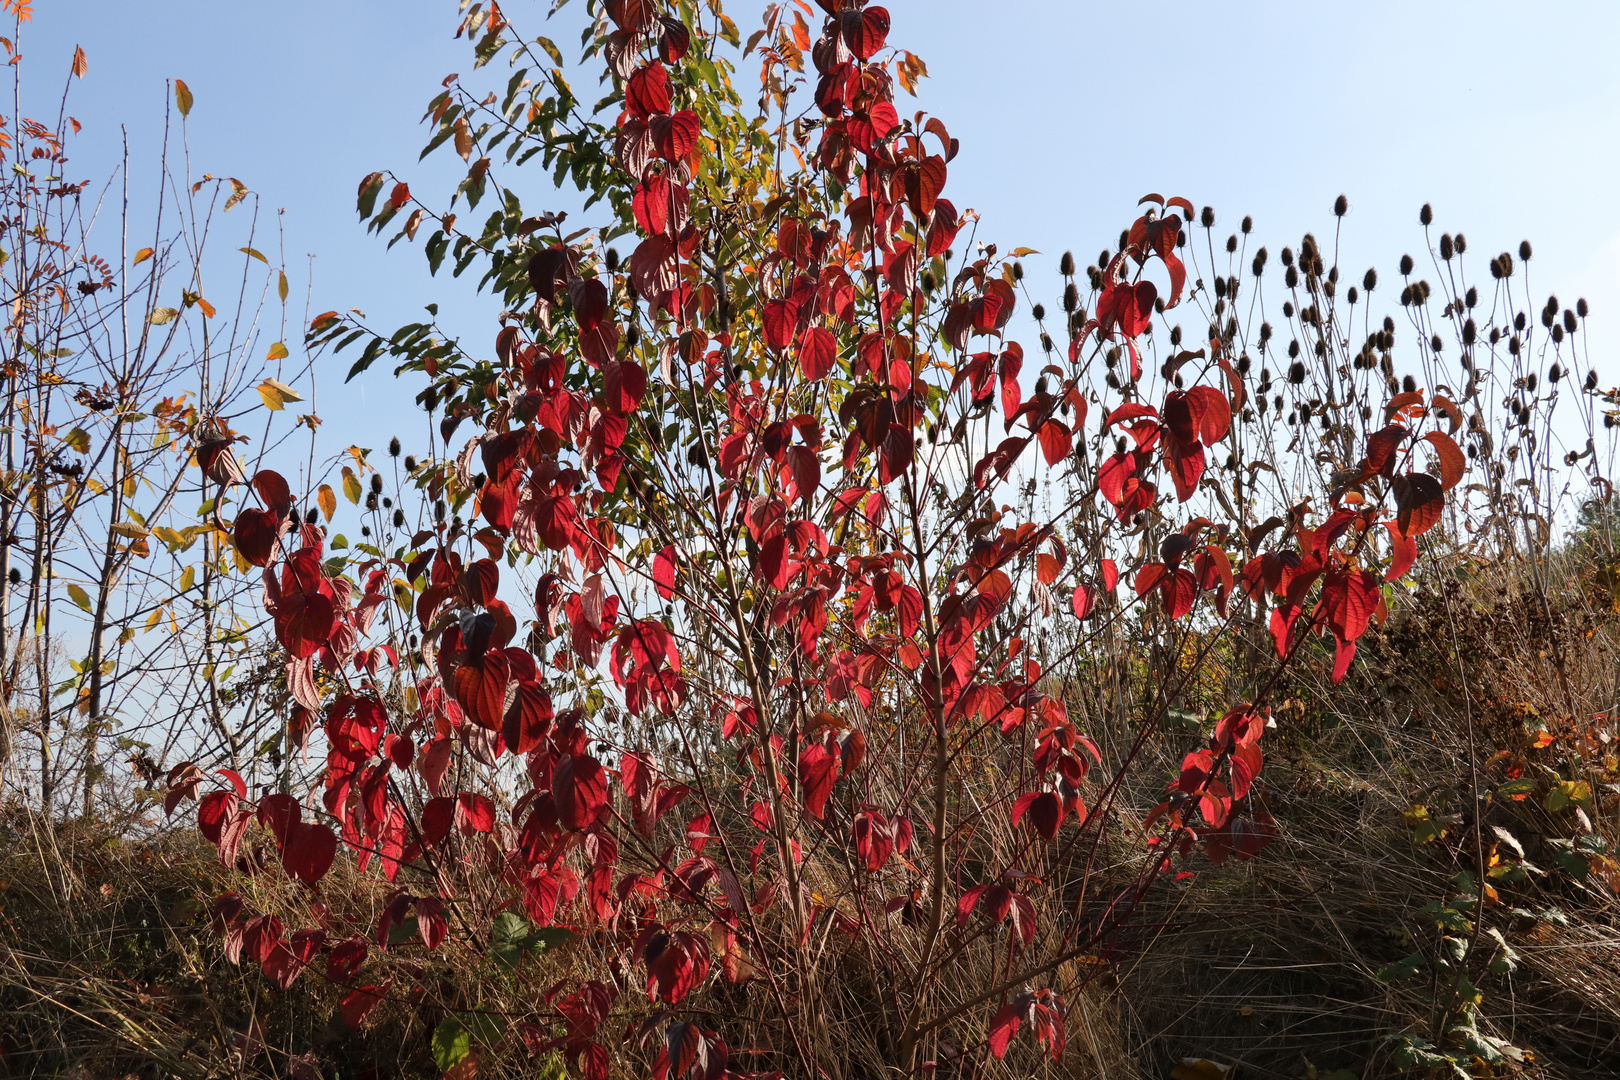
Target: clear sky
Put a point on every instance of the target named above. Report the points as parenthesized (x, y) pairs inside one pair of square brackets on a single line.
[(1500, 114)]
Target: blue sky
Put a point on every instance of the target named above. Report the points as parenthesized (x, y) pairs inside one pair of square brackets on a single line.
[(1499, 114)]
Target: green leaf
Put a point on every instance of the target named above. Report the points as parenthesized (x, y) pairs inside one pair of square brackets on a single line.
[(1569, 793), (79, 596), (452, 1042), (551, 50)]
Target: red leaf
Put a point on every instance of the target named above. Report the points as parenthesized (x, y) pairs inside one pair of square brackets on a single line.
[(430, 921), (874, 839), (256, 535), (1085, 600), (212, 812), (580, 788), (781, 320), (1419, 502), (345, 959), (674, 136), (817, 770), (1452, 462), (1004, 1026), (305, 621), (359, 1003), (1403, 552), (647, 90), (1056, 441), (475, 813), (528, 718), (309, 851), (437, 817), (272, 488), (623, 386), (1046, 812), (818, 353)]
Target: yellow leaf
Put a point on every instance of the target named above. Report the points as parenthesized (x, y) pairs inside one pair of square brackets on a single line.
[(188, 578), (351, 485), (276, 394), (278, 351), (162, 316), (142, 255), (78, 439), (182, 97), (328, 500), (129, 529), (126, 635), (79, 596), (81, 63), (256, 253), (1019, 253), (238, 193), (282, 288), (152, 619)]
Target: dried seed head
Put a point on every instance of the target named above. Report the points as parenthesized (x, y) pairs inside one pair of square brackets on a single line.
[(1259, 264), (1124, 238), (1291, 277), (1462, 243), (1265, 332), (1514, 344), (1519, 322), (632, 336), (1524, 251), (1469, 332), (311, 516), (612, 260), (1341, 206), (376, 483), (1018, 270), (1546, 317), (1288, 309), (1530, 382), (1248, 224), (1103, 257), (1243, 364), (1558, 333), (1406, 265), (1293, 348), (1352, 295), (1207, 218), (393, 446), (1046, 342), (1591, 379), (1071, 297), (1066, 264), (1369, 280), (1409, 384), (1220, 286), (410, 463), (1554, 373), (929, 283), (1580, 307), (1041, 385), (1175, 335), (1426, 216), (1446, 248), (1471, 298), (1231, 243), (1569, 321), (1039, 311), (1436, 344), (1296, 372), (1288, 256)]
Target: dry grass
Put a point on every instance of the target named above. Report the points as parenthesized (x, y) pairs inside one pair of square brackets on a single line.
[(109, 966)]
